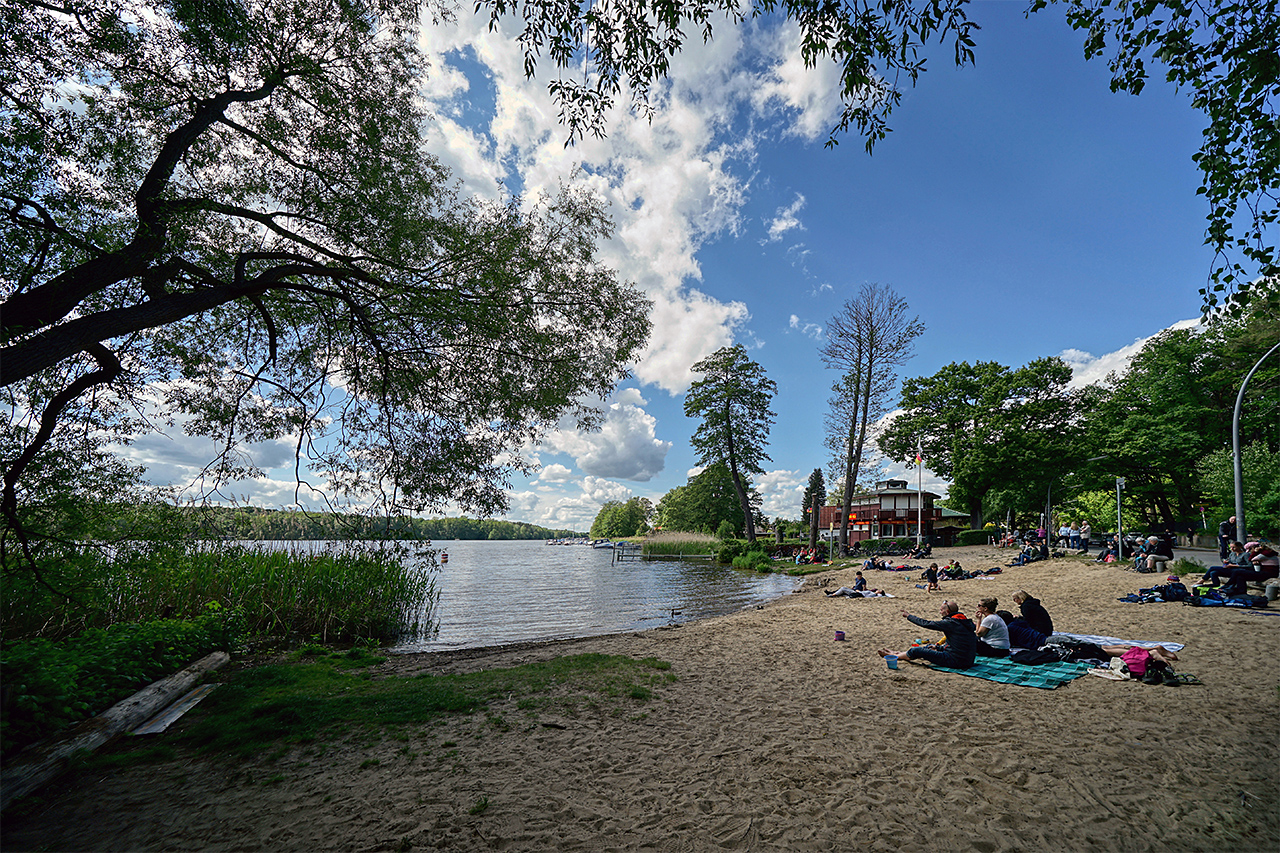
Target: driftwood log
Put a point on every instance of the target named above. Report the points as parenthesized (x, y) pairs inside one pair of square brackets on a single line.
[(39, 764)]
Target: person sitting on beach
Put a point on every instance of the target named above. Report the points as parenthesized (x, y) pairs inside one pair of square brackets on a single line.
[(961, 644), (931, 575), (1159, 552), (1033, 611), (1236, 559), (993, 635), (1021, 635), (875, 563), (1265, 565), (859, 582)]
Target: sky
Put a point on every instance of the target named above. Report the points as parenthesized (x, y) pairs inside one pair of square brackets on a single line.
[(1020, 208)]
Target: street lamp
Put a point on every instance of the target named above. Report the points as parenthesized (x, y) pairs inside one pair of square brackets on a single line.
[(1235, 446)]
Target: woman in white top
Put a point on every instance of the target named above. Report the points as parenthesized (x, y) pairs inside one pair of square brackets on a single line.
[(993, 636)]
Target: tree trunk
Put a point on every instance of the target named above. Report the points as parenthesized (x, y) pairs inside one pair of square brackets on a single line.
[(39, 764), (813, 521)]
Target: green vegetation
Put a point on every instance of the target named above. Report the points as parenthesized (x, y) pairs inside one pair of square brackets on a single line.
[(707, 499), (617, 519), (674, 543), (262, 708), (338, 594), (254, 523), (51, 685), (732, 398)]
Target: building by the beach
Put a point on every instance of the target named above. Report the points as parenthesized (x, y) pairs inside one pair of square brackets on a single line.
[(890, 511)]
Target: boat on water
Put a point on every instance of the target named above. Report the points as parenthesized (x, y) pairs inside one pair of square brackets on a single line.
[(602, 544)]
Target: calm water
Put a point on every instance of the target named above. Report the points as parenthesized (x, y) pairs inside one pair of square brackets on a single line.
[(504, 592)]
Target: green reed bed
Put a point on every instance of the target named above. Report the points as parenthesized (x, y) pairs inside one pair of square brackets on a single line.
[(675, 544), (343, 593)]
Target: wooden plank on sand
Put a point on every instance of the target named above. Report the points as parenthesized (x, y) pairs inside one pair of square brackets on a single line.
[(174, 712)]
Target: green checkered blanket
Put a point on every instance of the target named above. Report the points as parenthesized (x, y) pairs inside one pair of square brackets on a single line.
[(1044, 675)]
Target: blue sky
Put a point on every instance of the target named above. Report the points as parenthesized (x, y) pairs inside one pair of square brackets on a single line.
[(1019, 206)]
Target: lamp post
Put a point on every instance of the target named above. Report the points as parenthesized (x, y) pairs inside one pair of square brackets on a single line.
[(1119, 522), (1235, 446)]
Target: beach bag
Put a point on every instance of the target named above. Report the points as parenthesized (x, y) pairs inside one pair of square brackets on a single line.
[(1111, 558), (1136, 659)]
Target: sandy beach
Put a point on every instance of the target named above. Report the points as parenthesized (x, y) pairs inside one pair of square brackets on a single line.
[(774, 737)]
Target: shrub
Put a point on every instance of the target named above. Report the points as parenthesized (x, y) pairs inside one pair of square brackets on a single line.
[(729, 549), (973, 537), (725, 531), (753, 560), (52, 685)]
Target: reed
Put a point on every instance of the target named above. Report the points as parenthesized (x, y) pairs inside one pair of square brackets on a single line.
[(341, 593), (674, 543)]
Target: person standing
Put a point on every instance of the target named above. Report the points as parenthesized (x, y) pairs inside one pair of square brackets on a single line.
[(1226, 535), (1085, 530)]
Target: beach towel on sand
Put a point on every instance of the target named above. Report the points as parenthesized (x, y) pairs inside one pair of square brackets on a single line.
[(1046, 676)]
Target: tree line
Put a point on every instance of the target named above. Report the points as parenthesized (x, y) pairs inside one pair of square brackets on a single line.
[(1014, 442)]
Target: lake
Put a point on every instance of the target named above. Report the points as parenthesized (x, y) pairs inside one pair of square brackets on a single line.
[(495, 592)]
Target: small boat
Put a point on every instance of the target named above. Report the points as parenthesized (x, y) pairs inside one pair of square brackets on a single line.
[(602, 544)]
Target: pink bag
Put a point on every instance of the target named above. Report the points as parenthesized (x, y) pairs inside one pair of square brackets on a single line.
[(1111, 558), (1136, 660)]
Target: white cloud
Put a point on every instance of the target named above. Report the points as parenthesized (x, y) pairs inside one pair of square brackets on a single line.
[(556, 473), (808, 97), (1087, 369), (625, 446), (809, 330), (784, 220), (781, 492)]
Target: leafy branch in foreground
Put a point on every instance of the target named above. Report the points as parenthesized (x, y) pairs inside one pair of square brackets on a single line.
[(223, 218)]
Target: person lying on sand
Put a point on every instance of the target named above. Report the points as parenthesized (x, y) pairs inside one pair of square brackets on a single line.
[(854, 593)]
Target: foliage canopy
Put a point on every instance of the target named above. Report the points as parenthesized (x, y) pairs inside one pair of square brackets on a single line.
[(223, 217)]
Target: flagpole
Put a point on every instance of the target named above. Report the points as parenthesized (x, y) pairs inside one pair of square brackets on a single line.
[(919, 494)]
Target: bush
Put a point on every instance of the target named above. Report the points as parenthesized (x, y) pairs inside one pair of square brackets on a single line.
[(50, 685), (729, 549), (725, 531), (973, 537), (753, 560)]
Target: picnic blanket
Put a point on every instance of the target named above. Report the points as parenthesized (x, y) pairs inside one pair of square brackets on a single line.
[(1046, 676)]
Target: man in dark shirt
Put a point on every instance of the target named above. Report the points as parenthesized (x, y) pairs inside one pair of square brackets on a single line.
[(1035, 614), (960, 647), (1226, 535)]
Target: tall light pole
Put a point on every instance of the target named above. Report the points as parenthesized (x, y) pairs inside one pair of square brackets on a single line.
[(1119, 522), (1235, 446)]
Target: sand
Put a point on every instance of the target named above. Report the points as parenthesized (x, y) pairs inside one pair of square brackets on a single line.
[(773, 737)]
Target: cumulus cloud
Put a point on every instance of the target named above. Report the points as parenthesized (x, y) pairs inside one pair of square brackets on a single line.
[(556, 473), (781, 492), (625, 447)]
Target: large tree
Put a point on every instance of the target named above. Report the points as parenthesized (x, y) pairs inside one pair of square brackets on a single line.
[(706, 501), (1171, 408), (984, 426), (225, 212), (868, 339), (732, 398)]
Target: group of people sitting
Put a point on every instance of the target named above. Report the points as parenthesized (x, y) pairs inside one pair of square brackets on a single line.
[(993, 633), (1248, 562), (806, 556)]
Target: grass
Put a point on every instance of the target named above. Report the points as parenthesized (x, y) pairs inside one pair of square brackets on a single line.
[(325, 699)]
